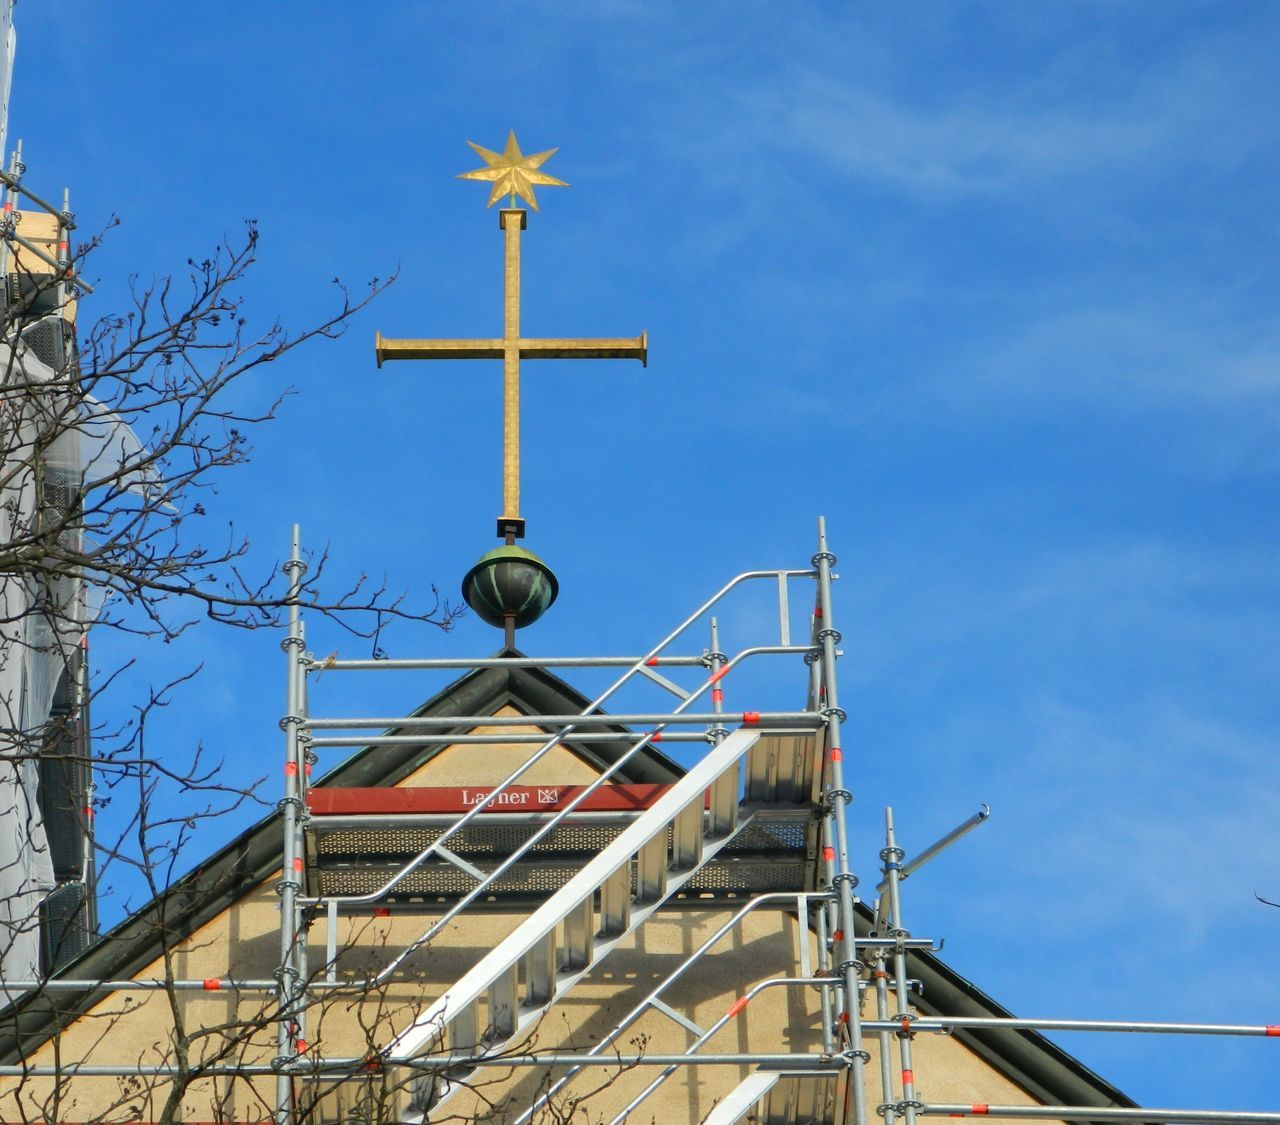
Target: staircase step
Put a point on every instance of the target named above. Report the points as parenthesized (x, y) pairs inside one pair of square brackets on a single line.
[(779, 1097)]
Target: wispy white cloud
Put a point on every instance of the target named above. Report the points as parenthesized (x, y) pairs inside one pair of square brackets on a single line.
[(969, 149), (1113, 587), (1124, 354), (1083, 113)]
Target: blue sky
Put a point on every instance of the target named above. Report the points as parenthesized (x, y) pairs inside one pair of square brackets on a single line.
[(991, 286)]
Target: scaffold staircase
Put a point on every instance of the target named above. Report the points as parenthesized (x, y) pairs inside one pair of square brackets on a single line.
[(501, 999), (778, 1097), (749, 818)]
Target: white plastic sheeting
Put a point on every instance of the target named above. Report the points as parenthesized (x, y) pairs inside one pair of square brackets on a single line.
[(8, 43), (108, 448), (41, 623), (26, 870)]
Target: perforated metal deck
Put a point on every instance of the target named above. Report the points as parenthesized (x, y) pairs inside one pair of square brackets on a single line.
[(352, 856)]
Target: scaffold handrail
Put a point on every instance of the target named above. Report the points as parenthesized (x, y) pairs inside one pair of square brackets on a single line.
[(493, 797)]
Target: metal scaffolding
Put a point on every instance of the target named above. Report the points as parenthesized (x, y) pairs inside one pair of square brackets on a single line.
[(757, 764), (777, 768), (28, 291)]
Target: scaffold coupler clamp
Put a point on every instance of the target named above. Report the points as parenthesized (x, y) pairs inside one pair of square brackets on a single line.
[(905, 1020), (291, 1064)]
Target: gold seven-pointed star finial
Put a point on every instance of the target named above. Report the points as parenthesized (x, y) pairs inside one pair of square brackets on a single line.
[(511, 172)]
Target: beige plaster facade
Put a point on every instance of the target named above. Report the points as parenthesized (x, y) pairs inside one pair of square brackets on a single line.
[(243, 942)]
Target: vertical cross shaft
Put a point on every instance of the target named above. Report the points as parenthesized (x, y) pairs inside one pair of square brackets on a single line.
[(513, 222)]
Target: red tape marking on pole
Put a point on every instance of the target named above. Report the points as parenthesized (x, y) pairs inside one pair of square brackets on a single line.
[(382, 912), (980, 1108), (297, 864), (719, 674), (908, 1077), (717, 695), (828, 854), (291, 769), (837, 755), (750, 718), (212, 984), (1273, 1029), (656, 736), (652, 662), (737, 1006)]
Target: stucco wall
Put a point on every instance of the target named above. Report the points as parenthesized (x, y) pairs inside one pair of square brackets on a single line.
[(138, 1027), (243, 942)]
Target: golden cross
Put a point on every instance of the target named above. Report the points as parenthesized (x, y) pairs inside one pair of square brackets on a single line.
[(512, 174)]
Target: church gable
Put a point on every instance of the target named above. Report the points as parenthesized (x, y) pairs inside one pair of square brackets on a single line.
[(362, 832), (474, 766)]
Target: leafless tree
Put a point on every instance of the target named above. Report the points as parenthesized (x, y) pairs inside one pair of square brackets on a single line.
[(112, 440), (134, 524)]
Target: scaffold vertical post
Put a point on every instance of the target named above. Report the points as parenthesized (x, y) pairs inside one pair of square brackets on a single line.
[(65, 221), (288, 977), (8, 204), (879, 975), (717, 733), (838, 798), (892, 855)]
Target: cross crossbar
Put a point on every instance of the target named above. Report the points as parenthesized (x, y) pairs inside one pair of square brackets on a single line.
[(621, 347)]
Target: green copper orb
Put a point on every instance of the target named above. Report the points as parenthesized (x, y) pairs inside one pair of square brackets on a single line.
[(510, 581)]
